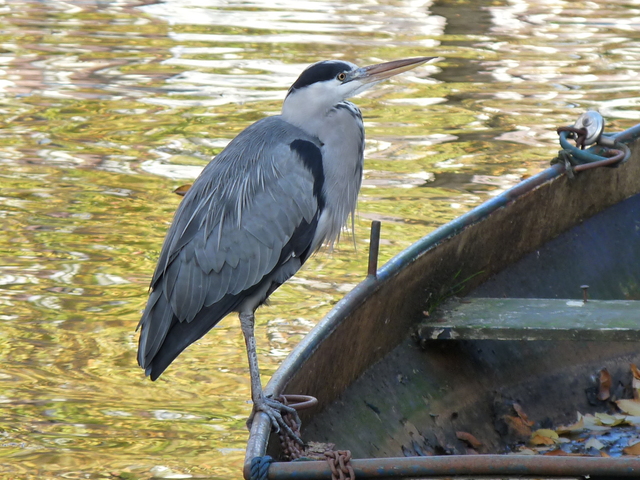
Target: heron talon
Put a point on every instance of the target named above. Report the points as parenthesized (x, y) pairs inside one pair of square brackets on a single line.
[(274, 410)]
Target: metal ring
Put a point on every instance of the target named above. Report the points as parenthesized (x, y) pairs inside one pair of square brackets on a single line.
[(300, 402)]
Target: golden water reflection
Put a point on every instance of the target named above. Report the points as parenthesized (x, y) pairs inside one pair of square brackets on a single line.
[(107, 106)]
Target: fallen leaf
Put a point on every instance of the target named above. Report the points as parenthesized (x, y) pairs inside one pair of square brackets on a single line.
[(522, 415), (524, 451), (469, 439), (558, 452), (632, 407), (633, 420), (611, 420), (604, 454), (518, 426), (604, 389), (635, 381), (632, 449), (182, 190), (546, 432), (593, 423), (538, 440), (574, 427), (635, 386), (594, 443), (544, 436)]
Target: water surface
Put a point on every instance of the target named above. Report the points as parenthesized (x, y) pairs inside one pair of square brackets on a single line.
[(107, 106)]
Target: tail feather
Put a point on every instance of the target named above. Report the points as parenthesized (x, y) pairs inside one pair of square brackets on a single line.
[(155, 357), (155, 323)]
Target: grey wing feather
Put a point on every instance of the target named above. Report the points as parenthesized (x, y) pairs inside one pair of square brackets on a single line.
[(153, 333), (228, 234)]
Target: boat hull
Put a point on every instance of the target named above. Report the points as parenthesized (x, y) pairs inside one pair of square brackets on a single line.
[(385, 392)]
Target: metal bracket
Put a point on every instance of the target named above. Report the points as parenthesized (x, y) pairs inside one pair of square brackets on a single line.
[(588, 130), (593, 124)]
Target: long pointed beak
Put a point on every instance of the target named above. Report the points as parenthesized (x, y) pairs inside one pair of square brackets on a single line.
[(381, 71)]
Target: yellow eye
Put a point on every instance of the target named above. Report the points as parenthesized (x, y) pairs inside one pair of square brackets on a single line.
[(342, 76)]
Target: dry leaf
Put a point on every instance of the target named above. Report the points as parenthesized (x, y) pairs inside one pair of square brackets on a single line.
[(469, 439), (540, 440), (594, 423), (632, 420), (544, 436), (635, 385), (611, 420), (635, 381), (632, 407), (522, 415), (632, 449), (558, 452), (182, 189), (517, 426), (524, 451), (574, 427), (604, 389), (594, 443)]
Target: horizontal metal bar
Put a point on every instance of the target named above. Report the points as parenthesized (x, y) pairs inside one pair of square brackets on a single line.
[(404, 467)]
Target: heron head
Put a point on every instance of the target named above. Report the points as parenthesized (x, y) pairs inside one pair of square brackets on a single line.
[(324, 84)]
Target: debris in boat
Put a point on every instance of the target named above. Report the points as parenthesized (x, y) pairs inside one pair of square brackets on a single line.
[(469, 439), (602, 434), (604, 385), (632, 450), (519, 410), (510, 421), (599, 434), (635, 382), (544, 436), (632, 407)]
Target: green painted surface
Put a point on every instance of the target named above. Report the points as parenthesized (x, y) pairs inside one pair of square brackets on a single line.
[(534, 319)]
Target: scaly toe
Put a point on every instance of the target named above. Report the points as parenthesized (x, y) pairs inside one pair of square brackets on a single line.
[(281, 407), (273, 409)]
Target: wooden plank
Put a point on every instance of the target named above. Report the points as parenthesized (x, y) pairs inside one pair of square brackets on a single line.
[(534, 319)]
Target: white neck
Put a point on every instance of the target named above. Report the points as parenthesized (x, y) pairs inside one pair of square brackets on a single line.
[(308, 107)]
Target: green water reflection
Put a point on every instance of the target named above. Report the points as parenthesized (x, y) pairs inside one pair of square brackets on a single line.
[(106, 106)]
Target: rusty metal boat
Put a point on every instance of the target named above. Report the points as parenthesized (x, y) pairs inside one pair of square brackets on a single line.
[(493, 305)]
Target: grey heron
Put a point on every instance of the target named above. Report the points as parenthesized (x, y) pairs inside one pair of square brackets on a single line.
[(281, 189)]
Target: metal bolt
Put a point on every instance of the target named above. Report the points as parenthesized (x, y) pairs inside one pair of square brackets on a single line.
[(584, 292)]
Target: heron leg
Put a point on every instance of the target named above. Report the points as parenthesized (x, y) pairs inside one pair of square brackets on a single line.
[(273, 408)]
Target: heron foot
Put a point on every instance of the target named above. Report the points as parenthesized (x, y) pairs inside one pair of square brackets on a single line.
[(276, 411)]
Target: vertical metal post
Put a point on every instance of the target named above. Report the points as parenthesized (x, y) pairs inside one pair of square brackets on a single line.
[(374, 246), (585, 295)]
